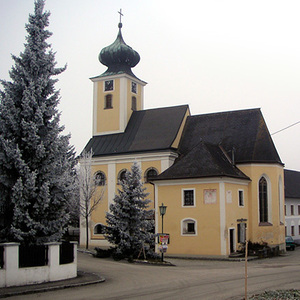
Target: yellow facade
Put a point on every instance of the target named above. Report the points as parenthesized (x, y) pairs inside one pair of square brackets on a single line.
[(114, 119), (274, 231), (98, 216), (108, 119), (214, 221)]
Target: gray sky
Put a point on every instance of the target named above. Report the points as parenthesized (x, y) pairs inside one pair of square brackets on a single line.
[(213, 55)]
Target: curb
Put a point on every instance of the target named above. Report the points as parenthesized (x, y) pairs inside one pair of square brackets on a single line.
[(64, 284)]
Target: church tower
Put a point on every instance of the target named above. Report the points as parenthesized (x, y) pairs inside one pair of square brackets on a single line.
[(117, 92)]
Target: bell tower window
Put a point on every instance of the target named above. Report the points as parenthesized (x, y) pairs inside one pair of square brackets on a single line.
[(108, 101), (133, 103)]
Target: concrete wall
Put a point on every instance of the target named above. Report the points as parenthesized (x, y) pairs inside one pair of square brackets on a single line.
[(12, 275)]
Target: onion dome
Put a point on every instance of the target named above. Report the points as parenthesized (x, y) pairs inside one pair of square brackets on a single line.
[(119, 57)]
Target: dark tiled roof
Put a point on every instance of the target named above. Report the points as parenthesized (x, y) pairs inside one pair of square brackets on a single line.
[(243, 130), (205, 149), (204, 160), (147, 130), (292, 184)]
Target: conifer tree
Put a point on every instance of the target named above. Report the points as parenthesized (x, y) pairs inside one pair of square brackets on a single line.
[(36, 160), (129, 223)]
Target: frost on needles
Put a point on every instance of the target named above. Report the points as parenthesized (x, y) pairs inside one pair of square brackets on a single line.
[(36, 160), (129, 222)]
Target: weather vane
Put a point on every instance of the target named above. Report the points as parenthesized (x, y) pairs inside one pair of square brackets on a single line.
[(120, 12)]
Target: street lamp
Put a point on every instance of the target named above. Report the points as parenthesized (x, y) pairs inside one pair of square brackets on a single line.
[(162, 210), (244, 221)]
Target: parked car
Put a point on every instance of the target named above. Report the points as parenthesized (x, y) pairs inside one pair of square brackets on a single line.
[(289, 243)]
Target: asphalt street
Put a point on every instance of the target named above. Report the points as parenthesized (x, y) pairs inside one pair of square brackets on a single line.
[(188, 279)]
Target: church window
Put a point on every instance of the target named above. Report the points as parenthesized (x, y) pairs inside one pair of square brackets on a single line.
[(263, 200), (99, 229), (108, 101), (122, 175), (188, 197), (150, 173), (133, 103), (100, 178), (188, 226), (241, 198)]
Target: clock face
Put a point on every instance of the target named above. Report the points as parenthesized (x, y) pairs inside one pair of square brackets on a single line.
[(109, 85), (133, 87)]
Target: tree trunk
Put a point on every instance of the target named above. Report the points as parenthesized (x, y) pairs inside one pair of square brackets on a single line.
[(87, 232)]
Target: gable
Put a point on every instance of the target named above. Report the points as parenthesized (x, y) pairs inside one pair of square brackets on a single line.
[(204, 160), (243, 133)]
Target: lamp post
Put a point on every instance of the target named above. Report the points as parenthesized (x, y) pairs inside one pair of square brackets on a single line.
[(244, 221), (162, 210)]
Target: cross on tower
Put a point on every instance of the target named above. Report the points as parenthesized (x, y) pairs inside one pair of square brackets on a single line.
[(120, 12)]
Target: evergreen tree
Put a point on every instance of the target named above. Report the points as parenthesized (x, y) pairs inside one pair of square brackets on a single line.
[(36, 160), (129, 223)]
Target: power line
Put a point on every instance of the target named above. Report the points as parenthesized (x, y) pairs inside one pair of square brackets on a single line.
[(286, 128)]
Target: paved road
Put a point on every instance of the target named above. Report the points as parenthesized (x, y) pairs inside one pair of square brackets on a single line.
[(189, 279)]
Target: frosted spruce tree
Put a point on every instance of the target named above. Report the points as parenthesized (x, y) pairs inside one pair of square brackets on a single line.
[(36, 160), (129, 222)]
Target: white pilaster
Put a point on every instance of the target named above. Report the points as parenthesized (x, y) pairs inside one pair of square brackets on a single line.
[(222, 218), (111, 182)]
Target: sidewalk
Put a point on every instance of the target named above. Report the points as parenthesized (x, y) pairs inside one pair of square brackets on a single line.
[(82, 279)]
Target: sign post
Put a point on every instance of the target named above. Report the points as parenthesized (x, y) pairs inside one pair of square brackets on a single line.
[(244, 221)]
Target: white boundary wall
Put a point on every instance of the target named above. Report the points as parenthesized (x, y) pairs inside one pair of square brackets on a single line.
[(12, 275)]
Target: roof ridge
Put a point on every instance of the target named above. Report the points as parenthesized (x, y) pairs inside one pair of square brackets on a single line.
[(162, 108), (228, 112)]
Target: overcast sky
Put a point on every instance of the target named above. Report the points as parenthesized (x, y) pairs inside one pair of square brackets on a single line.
[(213, 55)]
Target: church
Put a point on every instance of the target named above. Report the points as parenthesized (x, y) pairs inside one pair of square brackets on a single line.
[(218, 174)]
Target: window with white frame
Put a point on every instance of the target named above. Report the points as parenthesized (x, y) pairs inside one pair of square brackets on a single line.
[(99, 229), (188, 197), (188, 227), (292, 210), (122, 175), (241, 198), (263, 200), (100, 178)]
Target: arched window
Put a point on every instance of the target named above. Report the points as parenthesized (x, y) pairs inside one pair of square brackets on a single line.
[(188, 227), (99, 229), (133, 103), (100, 178), (108, 101), (122, 175), (263, 200), (150, 174)]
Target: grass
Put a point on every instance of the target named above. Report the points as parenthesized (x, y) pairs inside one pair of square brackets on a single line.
[(277, 295)]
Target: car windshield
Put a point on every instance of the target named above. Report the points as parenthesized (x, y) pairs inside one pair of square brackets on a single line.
[(288, 239)]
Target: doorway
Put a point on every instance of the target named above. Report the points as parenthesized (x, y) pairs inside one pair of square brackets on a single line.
[(231, 240)]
